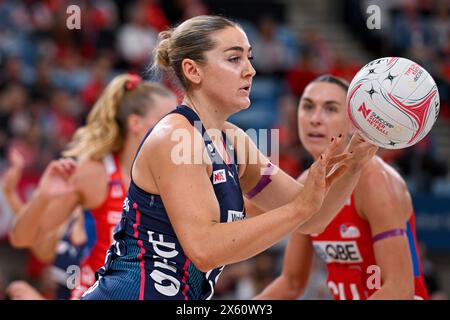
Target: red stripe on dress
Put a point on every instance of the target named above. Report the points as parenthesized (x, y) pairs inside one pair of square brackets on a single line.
[(141, 254), (186, 274)]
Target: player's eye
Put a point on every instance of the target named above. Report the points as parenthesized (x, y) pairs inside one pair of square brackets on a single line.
[(234, 59), (331, 109), (307, 106)]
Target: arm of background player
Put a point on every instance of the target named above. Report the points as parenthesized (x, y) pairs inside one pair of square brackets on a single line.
[(291, 284), (44, 251), (53, 192), (387, 206), (11, 180)]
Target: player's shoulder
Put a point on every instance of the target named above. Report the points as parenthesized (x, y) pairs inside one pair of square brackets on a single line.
[(377, 175), (234, 133), (170, 127), (172, 130), (174, 136), (89, 167), (381, 195), (231, 126), (89, 171)]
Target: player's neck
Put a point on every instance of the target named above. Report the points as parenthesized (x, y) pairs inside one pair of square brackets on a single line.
[(212, 116)]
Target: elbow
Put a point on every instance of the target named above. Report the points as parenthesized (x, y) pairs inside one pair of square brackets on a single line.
[(399, 290), (20, 239), (201, 260), (18, 242), (203, 267), (295, 290), (408, 291), (403, 295), (203, 264), (404, 290)]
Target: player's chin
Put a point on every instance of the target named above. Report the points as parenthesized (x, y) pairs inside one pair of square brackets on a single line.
[(244, 103)]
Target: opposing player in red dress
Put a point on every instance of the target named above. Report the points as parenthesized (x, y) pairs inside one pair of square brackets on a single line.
[(104, 149)]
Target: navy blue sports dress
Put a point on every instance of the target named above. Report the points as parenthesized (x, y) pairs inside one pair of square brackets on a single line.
[(146, 260)]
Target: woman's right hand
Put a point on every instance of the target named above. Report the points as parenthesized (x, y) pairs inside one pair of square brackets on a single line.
[(55, 179), (326, 170)]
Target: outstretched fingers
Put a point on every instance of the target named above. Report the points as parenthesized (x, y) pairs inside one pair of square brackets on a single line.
[(16, 159), (334, 147), (338, 160), (69, 166), (63, 167), (361, 149), (317, 173), (335, 164)]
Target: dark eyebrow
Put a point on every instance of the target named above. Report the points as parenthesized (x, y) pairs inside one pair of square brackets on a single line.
[(332, 102), (326, 102), (237, 48)]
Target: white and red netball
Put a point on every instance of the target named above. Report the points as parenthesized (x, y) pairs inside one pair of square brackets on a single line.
[(393, 102)]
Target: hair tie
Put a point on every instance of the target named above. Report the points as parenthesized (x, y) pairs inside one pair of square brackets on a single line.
[(133, 82)]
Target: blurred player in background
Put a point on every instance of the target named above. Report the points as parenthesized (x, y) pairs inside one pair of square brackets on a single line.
[(374, 229), (62, 247), (104, 149)]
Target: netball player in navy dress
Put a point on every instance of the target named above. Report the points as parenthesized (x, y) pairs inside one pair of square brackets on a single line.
[(183, 217)]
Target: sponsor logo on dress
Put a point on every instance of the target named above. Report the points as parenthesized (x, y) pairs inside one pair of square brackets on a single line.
[(338, 251), (349, 231), (235, 215), (219, 176)]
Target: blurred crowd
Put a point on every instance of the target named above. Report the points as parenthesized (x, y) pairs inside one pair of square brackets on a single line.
[(51, 76), (420, 31)]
